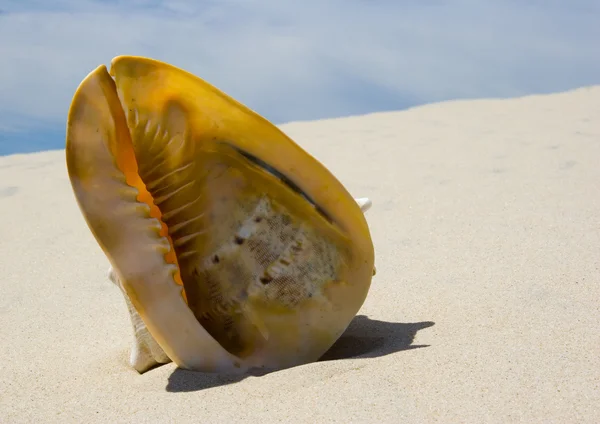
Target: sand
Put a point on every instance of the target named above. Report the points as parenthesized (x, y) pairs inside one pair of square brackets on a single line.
[(485, 307)]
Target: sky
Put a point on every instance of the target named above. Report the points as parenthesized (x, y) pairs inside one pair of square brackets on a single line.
[(293, 60)]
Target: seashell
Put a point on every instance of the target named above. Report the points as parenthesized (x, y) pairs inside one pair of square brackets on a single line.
[(233, 247)]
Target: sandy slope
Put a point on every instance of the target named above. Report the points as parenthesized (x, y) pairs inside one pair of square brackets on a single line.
[(485, 307)]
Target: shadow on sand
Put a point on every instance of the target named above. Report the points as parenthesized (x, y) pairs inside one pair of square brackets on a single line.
[(364, 338)]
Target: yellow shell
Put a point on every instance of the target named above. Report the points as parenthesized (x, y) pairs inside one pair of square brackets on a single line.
[(234, 248)]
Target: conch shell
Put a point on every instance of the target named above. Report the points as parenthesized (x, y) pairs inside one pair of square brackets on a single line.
[(233, 247)]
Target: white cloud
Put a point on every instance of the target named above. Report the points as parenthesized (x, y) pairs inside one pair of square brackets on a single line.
[(294, 60)]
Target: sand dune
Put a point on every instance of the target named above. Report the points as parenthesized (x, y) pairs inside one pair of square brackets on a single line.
[(485, 307)]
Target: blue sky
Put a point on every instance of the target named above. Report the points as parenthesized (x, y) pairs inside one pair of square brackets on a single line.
[(294, 60)]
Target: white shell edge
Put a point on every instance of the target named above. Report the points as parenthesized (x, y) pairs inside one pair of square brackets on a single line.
[(146, 353), (364, 203)]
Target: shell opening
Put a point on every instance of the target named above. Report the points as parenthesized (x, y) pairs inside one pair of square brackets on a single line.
[(126, 162)]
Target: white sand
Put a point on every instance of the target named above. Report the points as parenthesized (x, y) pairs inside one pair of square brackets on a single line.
[(485, 307)]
